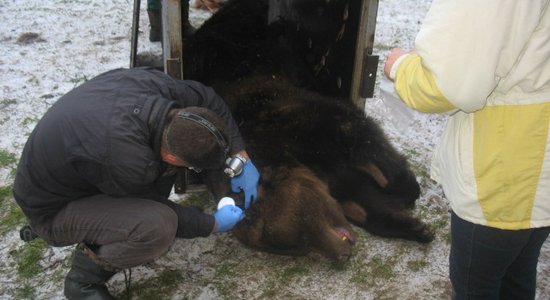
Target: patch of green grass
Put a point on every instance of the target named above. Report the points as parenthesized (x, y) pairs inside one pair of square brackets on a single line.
[(285, 270), (78, 79), (440, 224), (24, 292), (4, 119), (288, 274), (5, 193), (199, 200), (338, 267), (361, 274), (158, 287), (383, 268), (270, 291), (447, 237), (376, 269), (223, 272), (438, 220), (417, 265), (7, 102), (33, 80), (11, 215), (28, 120), (60, 273), (7, 159), (420, 169), (383, 47), (27, 258), (225, 283)]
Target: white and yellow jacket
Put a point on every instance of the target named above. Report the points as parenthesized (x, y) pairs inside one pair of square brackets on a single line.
[(487, 63)]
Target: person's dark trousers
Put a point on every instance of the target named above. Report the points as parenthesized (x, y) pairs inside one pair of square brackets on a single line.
[(125, 232), (489, 263)]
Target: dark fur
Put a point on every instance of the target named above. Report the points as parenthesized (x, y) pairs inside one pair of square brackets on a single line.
[(312, 150)]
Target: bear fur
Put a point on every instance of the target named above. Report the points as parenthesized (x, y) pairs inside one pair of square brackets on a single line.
[(323, 163), (296, 214)]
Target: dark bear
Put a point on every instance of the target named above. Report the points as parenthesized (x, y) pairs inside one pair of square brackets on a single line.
[(313, 148)]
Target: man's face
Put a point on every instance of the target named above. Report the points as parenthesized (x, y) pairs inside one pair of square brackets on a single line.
[(172, 159)]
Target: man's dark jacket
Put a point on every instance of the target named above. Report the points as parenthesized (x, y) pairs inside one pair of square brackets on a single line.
[(104, 138)]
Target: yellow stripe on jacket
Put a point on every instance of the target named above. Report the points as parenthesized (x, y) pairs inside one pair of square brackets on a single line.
[(509, 146)]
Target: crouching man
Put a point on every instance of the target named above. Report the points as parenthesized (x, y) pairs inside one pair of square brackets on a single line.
[(98, 169)]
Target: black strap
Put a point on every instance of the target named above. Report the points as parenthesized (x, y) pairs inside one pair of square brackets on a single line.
[(208, 125)]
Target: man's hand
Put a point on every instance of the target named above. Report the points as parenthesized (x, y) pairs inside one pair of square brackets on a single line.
[(227, 217), (247, 182)]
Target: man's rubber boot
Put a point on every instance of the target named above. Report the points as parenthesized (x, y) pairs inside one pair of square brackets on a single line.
[(155, 21), (86, 279)]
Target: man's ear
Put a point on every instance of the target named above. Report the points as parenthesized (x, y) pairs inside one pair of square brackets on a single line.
[(170, 158)]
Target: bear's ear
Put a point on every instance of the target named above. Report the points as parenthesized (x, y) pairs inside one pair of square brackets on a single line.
[(376, 174)]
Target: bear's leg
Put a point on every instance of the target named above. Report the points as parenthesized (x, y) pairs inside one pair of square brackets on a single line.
[(399, 225), (368, 205)]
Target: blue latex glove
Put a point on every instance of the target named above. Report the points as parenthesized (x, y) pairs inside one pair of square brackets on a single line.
[(227, 217), (247, 182)]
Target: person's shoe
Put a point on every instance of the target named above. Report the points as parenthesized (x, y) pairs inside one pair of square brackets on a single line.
[(86, 279), (155, 21)]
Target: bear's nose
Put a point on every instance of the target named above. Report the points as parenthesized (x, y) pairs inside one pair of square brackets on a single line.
[(345, 235)]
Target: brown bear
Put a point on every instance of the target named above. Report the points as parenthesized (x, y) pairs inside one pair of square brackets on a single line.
[(296, 214), (313, 148)]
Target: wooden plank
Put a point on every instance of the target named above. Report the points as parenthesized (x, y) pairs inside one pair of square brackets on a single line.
[(173, 65), (172, 38)]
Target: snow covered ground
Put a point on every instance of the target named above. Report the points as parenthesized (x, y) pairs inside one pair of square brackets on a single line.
[(48, 47)]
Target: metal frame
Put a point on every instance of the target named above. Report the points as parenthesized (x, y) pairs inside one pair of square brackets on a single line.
[(172, 42), (135, 32), (365, 68), (366, 64)]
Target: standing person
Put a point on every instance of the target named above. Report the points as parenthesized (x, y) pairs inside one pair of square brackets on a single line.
[(487, 64), (99, 166)]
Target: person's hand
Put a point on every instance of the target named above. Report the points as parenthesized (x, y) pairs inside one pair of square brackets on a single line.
[(247, 182), (227, 217), (392, 57)]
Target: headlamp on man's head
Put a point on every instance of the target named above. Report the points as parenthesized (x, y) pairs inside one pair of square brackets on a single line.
[(233, 165)]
